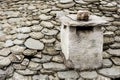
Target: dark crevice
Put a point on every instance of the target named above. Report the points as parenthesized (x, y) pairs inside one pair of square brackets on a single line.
[(116, 79)]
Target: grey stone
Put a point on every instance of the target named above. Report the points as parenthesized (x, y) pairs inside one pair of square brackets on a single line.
[(29, 52), (8, 43), (19, 67), (24, 29), (117, 32), (54, 66), (66, 1), (102, 78), (108, 8), (36, 35), (45, 58), (48, 40), (44, 17), (114, 52), (89, 75), (116, 60), (117, 39), (4, 52), (4, 61), (9, 71), (47, 24), (50, 51), (68, 75), (68, 5), (16, 58), (18, 42), (107, 63), (34, 66), (25, 62), (113, 72), (26, 72), (45, 10), (22, 36), (38, 55), (31, 7), (115, 46), (49, 32), (57, 59), (40, 77), (2, 75), (106, 55), (116, 23), (17, 49), (17, 76), (34, 44), (1, 45), (35, 22), (111, 28), (12, 13), (36, 28)]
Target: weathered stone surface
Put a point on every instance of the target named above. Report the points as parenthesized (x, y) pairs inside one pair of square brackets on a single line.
[(68, 75), (115, 46), (34, 44), (36, 35), (36, 28), (45, 58), (34, 66), (113, 72), (4, 61), (68, 5), (19, 67), (26, 72), (44, 17), (66, 1), (106, 55), (47, 24), (8, 43), (40, 77), (25, 62), (107, 63), (17, 49), (57, 59), (18, 42), (89, 75), (29, 52), (17, 76), (16, 58), (2, 75), (22, 36), (9, 71), (31, 7), (54, 66), (116, 60), (49, 32), (102, 78), (24, 30), (114, 52), (116, 23), (5, 52), (48, 40)]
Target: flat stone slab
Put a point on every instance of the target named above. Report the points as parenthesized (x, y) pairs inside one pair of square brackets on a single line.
[(113, 72), (34, 44)]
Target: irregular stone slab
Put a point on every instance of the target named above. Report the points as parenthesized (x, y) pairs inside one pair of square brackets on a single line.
[(29, 52), (115, 52), (22, 36), (49, 32), (36, 35), (69, 5), (89, 75), (44, 17), (17, 76), (2, 75), (115, 46), (36, 28), (26, 72), (4, 61), (34, 66), (113, 72), (107, 63), (8, 43), (40, 77), (68, 75), (17, 49), (54, 66), (47, 24), (116, 60), (34, 44), (5, 52), (102, 78), (65, 1), (24, 29)]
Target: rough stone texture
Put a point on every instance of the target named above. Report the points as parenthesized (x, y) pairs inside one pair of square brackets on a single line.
[(34, 44), (113, 72), (20, 18), (54, 66), (68, 75)]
